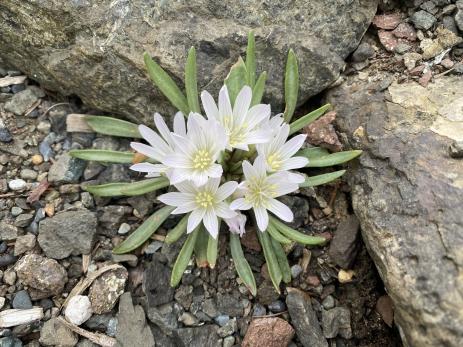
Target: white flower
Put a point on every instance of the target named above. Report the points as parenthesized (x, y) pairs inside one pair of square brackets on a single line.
[(159, 146), (237, 224), (278, 153), (204, 203), (197, 151), (241, 123), (260, 190)]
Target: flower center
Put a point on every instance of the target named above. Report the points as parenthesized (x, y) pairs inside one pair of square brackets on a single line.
[(274, 161), (204, 199), (259, 192), (202, 159)]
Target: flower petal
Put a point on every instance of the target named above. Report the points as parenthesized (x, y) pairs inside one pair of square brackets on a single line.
[(211, 223), (147, 150), (148, 167), (185, 208), (196, 216), (212, 112), (179, 124), (224, 211), (294, 163), (261, 218), (215, 170), (292, 146), (280, 210), (240, 204), (153, 138), (225, 190), (242, 103), (177, 161), (175, 198), (163, 129), (225, 109)]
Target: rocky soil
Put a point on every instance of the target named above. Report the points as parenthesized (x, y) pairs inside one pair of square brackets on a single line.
[(398, 98)]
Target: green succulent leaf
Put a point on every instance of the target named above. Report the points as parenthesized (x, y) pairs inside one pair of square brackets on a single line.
[(296, 235), (271, 259), (236, 79), (242, 266), (191, 84), (112, 126), (321, 179), (166, 85), (259, 88), (291, 86), (334, 158), (275, 234), (282, 260), (103, 155), (177, 232), (251, 60), (300, 123), (212, 249), (183, 258), (144, 231), (201, 248), (128, 189)]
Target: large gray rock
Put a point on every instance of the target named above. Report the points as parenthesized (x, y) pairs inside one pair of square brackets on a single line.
[(68, 232), (407, 193), (93, 49)]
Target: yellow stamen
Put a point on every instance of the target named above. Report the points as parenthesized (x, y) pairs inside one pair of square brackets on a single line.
[(202, 159), (204, 199)]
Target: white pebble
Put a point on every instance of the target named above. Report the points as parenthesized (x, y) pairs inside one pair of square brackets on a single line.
[(78, 310), (17, 184), (124, 229)]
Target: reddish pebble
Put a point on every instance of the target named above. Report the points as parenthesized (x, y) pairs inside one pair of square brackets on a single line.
[(405, 31), (447, 63), (387, 21), (388, 40), (268, 332), (424, 80), (417, 70), (313, 281)]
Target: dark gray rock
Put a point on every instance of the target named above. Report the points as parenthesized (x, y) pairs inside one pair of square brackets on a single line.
[(165, 317), (68, 232), (205, 335), (132, 328), (423, 20), (406, 192), (22, 300), (8, 231), (363, 52), (277, 306), (5, 135), (230, 305), (456, 149), (459, 15), (66, 169), (156, 284), (300, 208), (23, 220), (55, 333), (336, 322), (87, 62), (304, 319), (21, 102), (346, 242)]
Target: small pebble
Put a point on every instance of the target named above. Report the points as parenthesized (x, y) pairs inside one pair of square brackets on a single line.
[(112, 327), (229, 341), (17, 184), (2, 302), (37, 159), (124, 228), (28, 174), (22, 300), (16, 211), (328, 302), (78, 310), (259, 310), (153, 247), (456, 149), (222, 320), (7, 259), (296, 270), (277, 306), (9, 277), (3, 247), (5, 135)]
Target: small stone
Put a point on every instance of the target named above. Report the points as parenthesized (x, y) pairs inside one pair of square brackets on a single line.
[(268, 332), (456, 149), (229, 341), (78, 309), (9, 277), (112, 327), (228, 329), (28, 174), (24, 243), (5, 135), (8, 232), (388, 40), (16, 211), (336, 322), (402, 48), (188, 319), (2, 302), (277, 306), (222, 319), (322, 133), (47, 276), (37, 159), (7, 259), (449, 23), (385, 308), (459, 18), (156, 279), (363, 52), (387, 21), (55, 333), (44, 127), (304, 319), (21, 102), (17, 184), (68, 232), (296, 270), (425, 78), (345, 276), (112, 284), (22, 300), (23, 220), (328, 302), (124, 228), (230, 305), (423, 20), (410, 60), (66, 169), (10, 341), (259, 310), (447, 63), (346, 243), (405, 31), (153, 247)]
